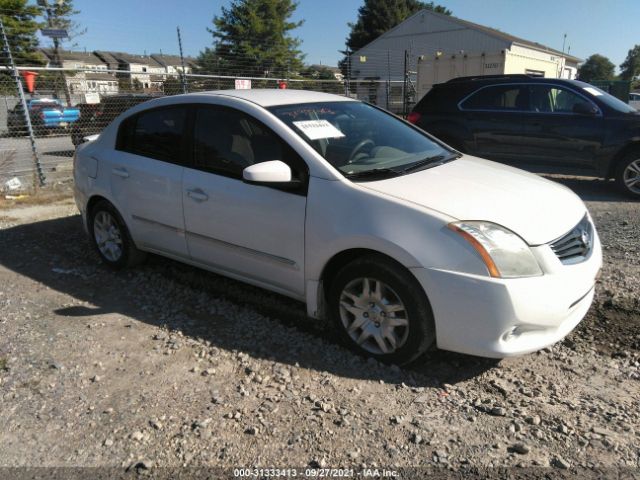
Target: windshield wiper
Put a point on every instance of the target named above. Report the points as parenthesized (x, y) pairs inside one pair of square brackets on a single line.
[(431, 161), (374, 172)]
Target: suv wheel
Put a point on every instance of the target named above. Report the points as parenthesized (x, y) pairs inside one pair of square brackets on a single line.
[(111, 237), (380, 310), (628, 174)]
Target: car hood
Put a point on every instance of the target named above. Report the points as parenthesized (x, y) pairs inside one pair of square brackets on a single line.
[(470, 188)]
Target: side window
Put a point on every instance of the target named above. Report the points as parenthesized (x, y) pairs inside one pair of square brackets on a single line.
[(155, 133), (226, 141), (550, 99), (498, 97)]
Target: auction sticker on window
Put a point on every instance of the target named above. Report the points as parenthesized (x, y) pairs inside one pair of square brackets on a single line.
[(318, 129)]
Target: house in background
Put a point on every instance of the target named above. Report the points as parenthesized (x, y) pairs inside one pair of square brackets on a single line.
[(139, 68), (172, 64), (90, 72), (441, 47)]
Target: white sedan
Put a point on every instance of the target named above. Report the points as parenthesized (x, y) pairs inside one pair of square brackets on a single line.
[(401, 241)]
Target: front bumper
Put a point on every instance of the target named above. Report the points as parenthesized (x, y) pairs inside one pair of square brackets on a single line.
[(493, 317)]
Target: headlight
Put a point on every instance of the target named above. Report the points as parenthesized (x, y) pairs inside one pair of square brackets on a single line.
[(504, 253)]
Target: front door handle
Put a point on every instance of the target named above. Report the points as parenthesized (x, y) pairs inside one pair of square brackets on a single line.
[(120, 172), (198, 195)]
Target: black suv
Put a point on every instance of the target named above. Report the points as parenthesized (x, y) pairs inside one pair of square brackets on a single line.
[(94, 120), (543, 124)]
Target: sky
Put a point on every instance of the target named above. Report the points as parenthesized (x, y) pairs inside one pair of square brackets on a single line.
[(138, 26)]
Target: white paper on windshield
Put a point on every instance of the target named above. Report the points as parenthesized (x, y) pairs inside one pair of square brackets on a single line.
[(593, 91), (318, 129)]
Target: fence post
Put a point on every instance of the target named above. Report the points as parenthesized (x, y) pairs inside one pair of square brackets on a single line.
[(23, 102), (183, 75)]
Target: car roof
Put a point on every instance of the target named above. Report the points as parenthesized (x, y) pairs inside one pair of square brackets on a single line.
[(269, 97), (498, 79)]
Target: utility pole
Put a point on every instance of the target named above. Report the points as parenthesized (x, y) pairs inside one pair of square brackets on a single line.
[(183, 75), (347, 83), (56, 46), (23, 101), (388, 77), (405, 85)]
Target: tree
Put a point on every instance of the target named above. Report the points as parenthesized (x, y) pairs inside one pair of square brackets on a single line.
[(58, 15), (252, 38), (376, 17), (320, 78), (596, 67), (20, 23), (630, 68), (172, 86)]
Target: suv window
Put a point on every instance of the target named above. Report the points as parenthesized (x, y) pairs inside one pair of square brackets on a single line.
[(226, 141), (156, 133), (553, 99), (497, 97)]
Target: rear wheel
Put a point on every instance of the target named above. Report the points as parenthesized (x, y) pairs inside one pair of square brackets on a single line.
[(111, 237), (628, 174), (380, 310)]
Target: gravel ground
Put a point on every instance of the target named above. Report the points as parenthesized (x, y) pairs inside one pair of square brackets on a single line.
[(170, 366)]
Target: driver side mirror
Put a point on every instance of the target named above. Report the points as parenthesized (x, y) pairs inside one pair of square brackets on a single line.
[(267, 173), (584, 108)]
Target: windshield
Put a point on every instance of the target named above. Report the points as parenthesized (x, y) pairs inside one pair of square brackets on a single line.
[(357, 138), (608, 99)]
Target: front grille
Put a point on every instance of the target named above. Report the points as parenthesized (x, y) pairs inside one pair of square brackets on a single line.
[(575, 246)]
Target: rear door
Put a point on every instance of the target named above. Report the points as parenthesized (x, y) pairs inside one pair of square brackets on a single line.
[(252, 232), (146, 172), (493, 116), (556, 135)]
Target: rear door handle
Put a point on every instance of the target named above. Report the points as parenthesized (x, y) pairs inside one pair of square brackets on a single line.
[(120, 172), (198, 195)]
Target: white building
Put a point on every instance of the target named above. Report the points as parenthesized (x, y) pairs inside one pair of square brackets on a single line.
[(85, 73), (172, 64), (440, 47)]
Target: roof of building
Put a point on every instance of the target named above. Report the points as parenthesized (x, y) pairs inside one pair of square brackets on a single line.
[(133, 58), (171, 60), (492, 32), (85, 57), (100, 76), (106, 56)]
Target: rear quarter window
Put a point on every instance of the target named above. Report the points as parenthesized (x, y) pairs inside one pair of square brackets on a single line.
[(156, 133), (440, 99)]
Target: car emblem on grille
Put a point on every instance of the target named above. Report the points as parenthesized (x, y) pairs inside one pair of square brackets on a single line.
[(586, 238)]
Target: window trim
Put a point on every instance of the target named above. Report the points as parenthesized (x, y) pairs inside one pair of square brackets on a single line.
[(528, 84)]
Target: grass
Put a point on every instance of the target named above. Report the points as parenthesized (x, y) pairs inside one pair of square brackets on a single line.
[(40, 197)]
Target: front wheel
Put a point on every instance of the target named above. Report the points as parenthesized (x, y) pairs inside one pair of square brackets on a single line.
[(628, 174), (111, 238), (380, 310)]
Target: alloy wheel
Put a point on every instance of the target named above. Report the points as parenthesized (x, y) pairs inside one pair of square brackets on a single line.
[(631, 176), (374, 316), (108, 236)]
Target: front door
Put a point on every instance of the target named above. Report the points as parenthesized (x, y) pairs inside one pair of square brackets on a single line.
[(556, 136), (252, 232)]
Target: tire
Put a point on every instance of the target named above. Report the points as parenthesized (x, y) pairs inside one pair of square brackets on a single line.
[(111, 239), (402, 301), (628, 174)]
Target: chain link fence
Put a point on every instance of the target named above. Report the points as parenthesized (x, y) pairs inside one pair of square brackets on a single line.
[(68, 105)]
